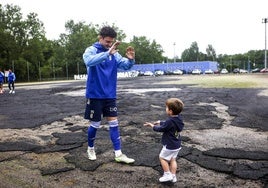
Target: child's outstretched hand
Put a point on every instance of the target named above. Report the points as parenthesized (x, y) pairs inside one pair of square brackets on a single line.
[(157, 122), (152, 124), (148, 124)]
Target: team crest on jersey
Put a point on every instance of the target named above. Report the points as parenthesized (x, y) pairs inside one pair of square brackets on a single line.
[(91, 113)]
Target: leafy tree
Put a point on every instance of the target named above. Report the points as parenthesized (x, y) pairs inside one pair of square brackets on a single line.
[(11, 34), (192, 53), (146, 51), (58, 61), (23, 45), (20, 39), (34, 27), (211, 53), (78, 38)]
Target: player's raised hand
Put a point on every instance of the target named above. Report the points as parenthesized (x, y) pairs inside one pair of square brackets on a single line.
[(130, 53), (113, 48)]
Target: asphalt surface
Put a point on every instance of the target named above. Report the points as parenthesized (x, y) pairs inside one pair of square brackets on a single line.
[(60, 106)]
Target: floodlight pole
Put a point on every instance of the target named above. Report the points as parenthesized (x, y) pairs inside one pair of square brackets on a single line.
[(174, 52), (264, 20)]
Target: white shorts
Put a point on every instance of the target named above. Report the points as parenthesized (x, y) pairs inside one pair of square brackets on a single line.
[(168, 154)]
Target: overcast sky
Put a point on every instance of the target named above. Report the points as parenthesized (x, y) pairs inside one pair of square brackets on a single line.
[(230, 26)]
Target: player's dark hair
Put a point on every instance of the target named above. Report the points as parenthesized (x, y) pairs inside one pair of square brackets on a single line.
[(107, 31)]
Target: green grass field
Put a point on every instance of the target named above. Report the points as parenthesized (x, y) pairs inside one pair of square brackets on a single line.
[(224, 81)]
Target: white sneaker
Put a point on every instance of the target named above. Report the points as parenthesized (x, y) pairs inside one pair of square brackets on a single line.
[(174, 180), (124, 159), (13, 91), (166, 177), (91, 154), (10, 91)]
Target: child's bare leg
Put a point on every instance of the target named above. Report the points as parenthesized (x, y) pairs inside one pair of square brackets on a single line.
[(164, 164), (173, 165)]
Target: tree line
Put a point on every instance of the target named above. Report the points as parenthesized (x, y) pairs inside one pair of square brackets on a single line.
[(25, 48)]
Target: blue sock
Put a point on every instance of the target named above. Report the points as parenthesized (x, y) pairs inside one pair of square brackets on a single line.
[(91, 134), (115, 137)]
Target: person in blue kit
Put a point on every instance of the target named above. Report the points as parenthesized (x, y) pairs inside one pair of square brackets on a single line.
[(2, 80), (11, 81), (102, 61), (171, 139)]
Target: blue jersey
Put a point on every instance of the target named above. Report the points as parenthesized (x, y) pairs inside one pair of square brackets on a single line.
[(102, 71), (11, 77), (2, 77)]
